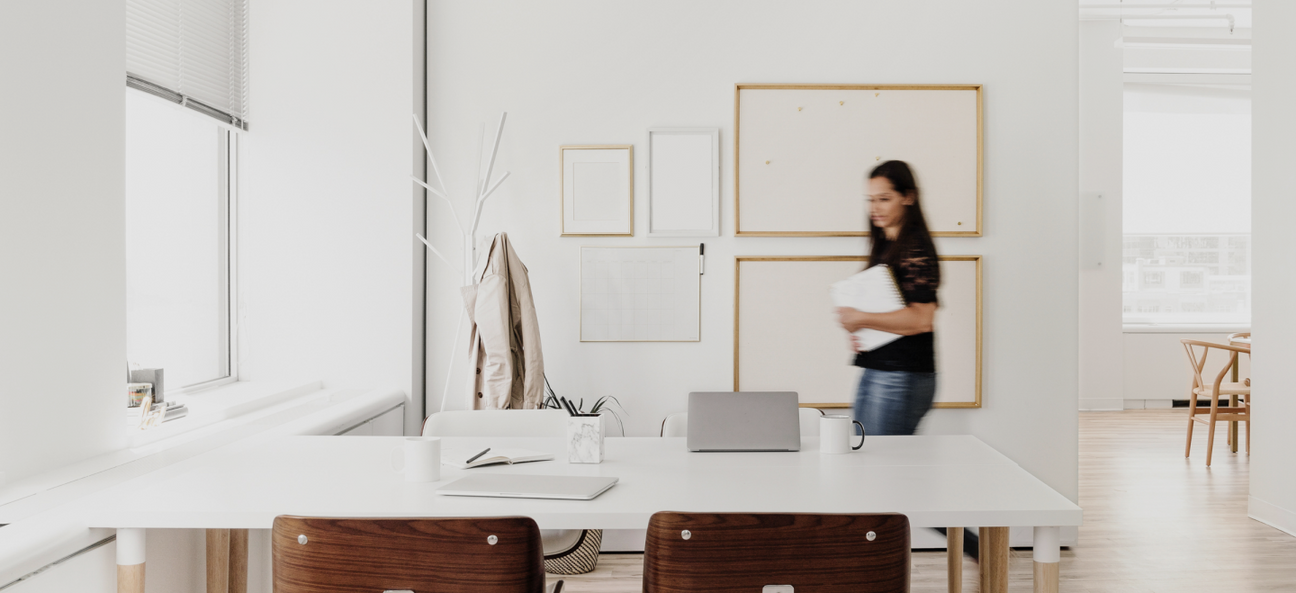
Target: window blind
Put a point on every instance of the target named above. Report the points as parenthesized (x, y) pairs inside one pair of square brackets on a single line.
[(193, 52)]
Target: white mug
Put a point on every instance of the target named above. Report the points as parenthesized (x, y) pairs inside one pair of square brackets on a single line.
[(835, 435), (421, 459)]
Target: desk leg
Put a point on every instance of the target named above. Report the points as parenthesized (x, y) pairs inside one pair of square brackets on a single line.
[(227, 560), (994, 560), (130, 561), (954, 547), (1048, 555)]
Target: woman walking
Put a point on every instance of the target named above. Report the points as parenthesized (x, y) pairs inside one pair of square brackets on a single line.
[(899, 380)]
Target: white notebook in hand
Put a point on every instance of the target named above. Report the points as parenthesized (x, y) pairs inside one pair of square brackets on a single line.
[(872, 291), (459, 457)]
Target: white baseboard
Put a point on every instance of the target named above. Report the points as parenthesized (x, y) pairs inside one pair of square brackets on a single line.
[(1148, 404), (1103, 404), (1272, 515)]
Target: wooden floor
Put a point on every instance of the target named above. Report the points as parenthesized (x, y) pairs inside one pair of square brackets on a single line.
[(1154, 521)]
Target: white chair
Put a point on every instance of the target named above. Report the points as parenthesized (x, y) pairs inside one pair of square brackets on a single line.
[(676, 425), (558, 544), (497, 423)]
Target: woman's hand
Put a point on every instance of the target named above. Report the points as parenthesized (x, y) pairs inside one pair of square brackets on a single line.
[(851, 319), (853, 342)]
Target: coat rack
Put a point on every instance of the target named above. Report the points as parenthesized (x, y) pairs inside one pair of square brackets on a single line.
[(467, 234)]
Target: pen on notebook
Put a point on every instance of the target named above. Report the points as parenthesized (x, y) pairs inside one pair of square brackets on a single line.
[(475, 457), (701, 258)]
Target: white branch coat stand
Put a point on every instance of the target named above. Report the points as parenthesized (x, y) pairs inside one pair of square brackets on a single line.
[(467, 235)]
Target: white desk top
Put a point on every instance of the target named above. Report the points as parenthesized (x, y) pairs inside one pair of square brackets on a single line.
[(938, 481)]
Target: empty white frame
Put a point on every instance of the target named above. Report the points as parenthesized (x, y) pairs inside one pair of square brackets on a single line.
[(597, 190), (684, 182), (801, 153), (786, 335)]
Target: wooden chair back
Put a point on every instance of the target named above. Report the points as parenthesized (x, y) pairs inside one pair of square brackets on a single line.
[(1199, 363), (334, 555), (743, 552)]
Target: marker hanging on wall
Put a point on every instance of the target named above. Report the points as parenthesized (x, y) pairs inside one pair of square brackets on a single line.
[(701, 258)]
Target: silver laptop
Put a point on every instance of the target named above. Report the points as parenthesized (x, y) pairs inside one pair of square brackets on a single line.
[(744, 421), (528, 486)]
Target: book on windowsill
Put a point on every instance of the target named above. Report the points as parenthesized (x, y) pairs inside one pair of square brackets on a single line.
[(459, 457)]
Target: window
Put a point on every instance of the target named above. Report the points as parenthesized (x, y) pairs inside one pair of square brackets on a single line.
[(187, 95), (1186, 256), (178, 242)]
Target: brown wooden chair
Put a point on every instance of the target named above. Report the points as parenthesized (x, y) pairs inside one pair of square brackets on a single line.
[(473, 555), (719, 552), (1215, 390)]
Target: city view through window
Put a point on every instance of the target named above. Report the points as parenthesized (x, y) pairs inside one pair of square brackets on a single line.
[(1186, 255)]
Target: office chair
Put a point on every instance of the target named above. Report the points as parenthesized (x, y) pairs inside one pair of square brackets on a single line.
[(469, 555), (744, 552)]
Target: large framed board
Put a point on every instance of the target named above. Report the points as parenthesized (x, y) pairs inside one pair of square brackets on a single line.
[(640, 294), (786, 336), (802, 151)]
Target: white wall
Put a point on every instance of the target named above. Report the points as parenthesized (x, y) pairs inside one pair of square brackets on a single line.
[(1273, 479), (1102, 91), (327, 252), (62, 233), (595, 72)]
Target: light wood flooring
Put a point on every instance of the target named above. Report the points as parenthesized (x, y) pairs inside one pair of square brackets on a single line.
[(1154, 521)]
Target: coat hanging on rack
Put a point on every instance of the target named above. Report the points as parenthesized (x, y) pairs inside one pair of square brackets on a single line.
[(504, 335)]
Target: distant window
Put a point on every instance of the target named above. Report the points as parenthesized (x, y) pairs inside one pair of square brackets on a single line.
[(1186, 250), (178, 229)]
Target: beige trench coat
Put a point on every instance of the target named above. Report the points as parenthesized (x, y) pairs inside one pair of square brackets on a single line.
[(504, 338)]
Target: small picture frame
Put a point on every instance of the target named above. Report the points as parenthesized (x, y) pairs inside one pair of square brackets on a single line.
[(597, 190), (684, 182)]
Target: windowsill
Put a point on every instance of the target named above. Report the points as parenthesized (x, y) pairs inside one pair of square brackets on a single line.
[(209, 406), (1184, 328)]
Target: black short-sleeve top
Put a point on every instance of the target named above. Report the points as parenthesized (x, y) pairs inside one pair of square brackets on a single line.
[(917, 272)]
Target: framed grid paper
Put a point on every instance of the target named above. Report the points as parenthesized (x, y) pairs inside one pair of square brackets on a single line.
[(786, 336), (597, 190), (640, 294), (684, 182), (802, 152)]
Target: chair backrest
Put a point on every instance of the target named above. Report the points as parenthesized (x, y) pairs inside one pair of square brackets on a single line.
[(723, 552), (1198, 364), (676, 425), (497, 423), (810, 421), (466, 555)]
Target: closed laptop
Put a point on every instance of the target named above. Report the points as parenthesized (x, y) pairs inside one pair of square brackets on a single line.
[(743, 421)]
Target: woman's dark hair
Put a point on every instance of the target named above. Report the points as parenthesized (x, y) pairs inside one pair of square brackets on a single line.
[(913, 228)]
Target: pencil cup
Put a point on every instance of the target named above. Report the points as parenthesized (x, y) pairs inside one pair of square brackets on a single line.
[(585, 438), (419, 459)]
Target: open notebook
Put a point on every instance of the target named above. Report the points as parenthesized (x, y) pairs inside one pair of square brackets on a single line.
[(872, 291), (459, 457)]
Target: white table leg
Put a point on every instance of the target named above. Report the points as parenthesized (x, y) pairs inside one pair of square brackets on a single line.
[(1048, 553), (130, 561)]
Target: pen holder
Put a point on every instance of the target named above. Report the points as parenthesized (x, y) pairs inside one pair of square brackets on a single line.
[(585, 438)]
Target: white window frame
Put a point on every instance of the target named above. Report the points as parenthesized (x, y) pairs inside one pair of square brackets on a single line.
[(231, 270)]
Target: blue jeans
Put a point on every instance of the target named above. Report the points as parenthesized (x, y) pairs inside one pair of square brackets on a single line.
[(893, 402)]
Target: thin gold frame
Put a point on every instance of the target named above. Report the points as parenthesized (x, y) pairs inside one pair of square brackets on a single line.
[(738, 88), (858, 258), (562, 206), (580, 296)]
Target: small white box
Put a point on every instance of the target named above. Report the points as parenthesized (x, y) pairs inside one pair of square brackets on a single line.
[(585, 438)]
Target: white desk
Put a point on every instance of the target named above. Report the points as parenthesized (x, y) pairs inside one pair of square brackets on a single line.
[(938, 481)]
